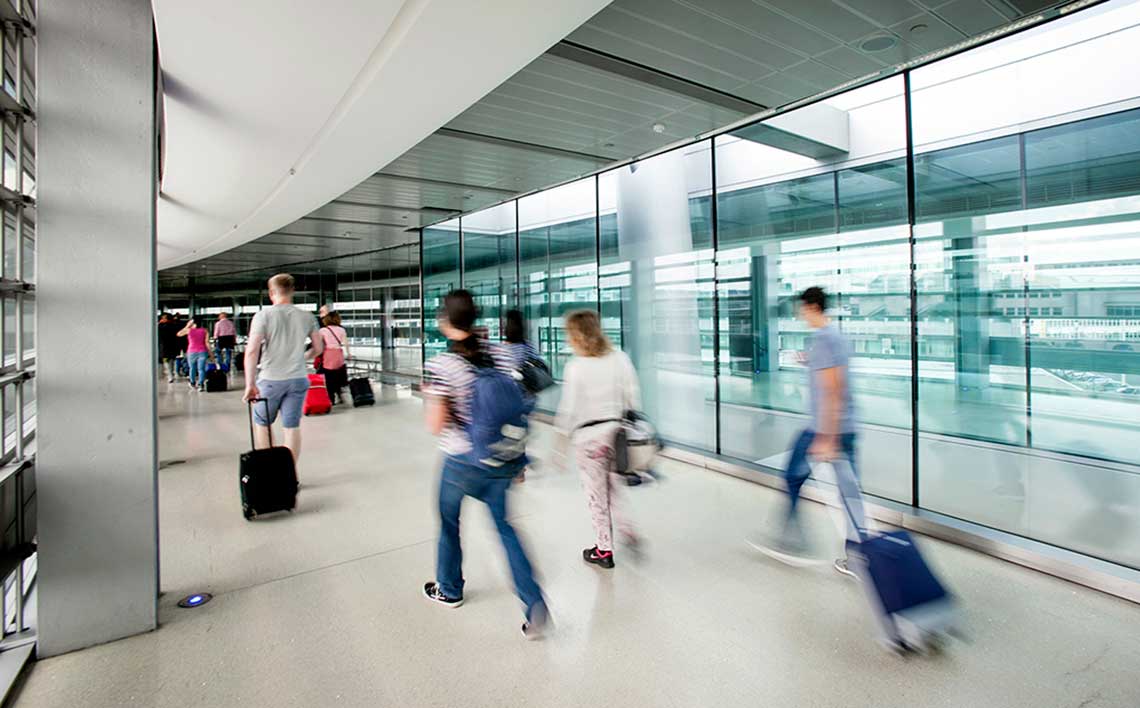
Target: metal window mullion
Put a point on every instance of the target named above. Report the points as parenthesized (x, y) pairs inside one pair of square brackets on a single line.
[(912, 217)]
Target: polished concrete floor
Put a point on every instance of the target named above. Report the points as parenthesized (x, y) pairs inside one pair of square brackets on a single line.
[(323, 607)]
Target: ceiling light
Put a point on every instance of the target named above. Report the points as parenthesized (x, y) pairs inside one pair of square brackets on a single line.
[(919, 29), (658, 127), (878, 43), (608, 145)]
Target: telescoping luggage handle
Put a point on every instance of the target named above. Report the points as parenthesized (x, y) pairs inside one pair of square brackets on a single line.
[(252, 442), (861, 531)]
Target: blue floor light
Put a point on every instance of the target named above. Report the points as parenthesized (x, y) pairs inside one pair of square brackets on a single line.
[(196, 600)]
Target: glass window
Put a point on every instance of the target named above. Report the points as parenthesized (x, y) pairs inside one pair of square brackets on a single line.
[(558, 265), (490, 264), (788, 221), (1032, 201), (657, 285), (441, 275)]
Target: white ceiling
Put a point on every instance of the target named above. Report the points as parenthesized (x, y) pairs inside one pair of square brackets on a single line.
[(275, 107)]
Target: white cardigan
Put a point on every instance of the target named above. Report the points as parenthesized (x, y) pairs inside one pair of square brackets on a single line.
[(597, 388)]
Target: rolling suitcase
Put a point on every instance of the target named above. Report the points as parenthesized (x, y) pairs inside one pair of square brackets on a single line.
[(914, 611), (361, 390), (216, 381), (317, 401), (267, 477)]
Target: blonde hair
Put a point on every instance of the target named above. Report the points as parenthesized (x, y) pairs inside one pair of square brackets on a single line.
[(282, 283), (586, 327)]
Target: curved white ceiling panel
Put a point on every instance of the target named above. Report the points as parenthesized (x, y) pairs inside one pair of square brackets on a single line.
[(275, 107)]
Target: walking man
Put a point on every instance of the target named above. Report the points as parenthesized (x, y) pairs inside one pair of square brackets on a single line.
[(275, 363)]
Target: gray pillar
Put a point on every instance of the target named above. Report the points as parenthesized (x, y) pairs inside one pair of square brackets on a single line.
[(96, 461)]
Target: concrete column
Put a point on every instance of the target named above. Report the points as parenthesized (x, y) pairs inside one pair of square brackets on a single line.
[(96, 461)]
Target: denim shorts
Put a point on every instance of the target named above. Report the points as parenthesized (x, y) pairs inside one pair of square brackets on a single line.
[(287, 396)]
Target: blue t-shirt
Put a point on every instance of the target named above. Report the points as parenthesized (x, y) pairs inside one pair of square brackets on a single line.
[(829, 350)]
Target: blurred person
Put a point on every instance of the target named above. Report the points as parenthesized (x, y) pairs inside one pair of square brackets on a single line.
[(334, 360), (831, 431), (169, 345), (225, 339), (449, 395), (514, 334), (197, 352), (275, 365), (599, 386)]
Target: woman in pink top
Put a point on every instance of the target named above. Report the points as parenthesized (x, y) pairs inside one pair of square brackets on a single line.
[(197, 352), (334, 364)]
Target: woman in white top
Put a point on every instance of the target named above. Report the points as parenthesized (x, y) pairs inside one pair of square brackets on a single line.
[(599, 386)]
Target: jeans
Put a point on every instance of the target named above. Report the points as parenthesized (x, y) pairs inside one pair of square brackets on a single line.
[(460, 479), (224, 357), (198, 367), (798, 469)]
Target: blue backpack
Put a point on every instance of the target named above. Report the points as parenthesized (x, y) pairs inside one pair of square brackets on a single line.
[(498, 427)]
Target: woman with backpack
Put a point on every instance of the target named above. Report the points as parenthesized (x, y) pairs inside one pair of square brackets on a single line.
[(599, 385), (334, 364), (456, 386)]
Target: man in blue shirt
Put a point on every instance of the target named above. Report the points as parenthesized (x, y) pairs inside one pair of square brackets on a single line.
[(831, 431)]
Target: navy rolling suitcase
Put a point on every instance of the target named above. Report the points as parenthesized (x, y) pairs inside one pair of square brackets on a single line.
[(267, 477), (914, 611)]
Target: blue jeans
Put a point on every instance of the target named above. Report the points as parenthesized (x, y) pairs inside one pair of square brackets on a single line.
[(224, 357), (198, 367), (798, 469), (460, 479)]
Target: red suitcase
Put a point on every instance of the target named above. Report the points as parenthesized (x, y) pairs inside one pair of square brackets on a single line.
[(317, 401)]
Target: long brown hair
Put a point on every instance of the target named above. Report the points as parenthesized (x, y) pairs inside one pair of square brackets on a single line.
[(586, 326)]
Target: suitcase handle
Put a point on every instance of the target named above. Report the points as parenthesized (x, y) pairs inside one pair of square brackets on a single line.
[(252, 442)]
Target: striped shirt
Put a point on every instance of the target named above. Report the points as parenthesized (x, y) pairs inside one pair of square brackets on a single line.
[(451, 378)]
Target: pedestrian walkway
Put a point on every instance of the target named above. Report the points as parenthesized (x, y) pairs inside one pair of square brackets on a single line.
[(324, 607)]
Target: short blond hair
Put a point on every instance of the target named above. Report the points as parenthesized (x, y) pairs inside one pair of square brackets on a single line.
[(586, 327), (282, 283)]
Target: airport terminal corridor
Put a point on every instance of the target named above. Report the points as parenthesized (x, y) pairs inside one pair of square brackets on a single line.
[(323, 607)]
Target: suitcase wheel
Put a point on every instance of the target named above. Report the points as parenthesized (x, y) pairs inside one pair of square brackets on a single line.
[(248, 513)]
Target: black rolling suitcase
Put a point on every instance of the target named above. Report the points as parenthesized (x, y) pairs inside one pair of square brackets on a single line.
[(361, 390), (268, 477), (216, 381)]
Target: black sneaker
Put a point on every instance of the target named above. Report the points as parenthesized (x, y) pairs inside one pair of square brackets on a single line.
[(535, 627), (603, 558), (433, 593)]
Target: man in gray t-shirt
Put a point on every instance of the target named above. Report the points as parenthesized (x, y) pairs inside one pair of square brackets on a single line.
[(276, 352), (831, 432)]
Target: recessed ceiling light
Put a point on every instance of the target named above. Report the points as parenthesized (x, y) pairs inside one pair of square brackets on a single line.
[(608, 145), (919, 28), (658, 127), (879, 43)]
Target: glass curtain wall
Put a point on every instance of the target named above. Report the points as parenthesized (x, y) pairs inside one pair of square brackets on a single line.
[(991, 294), (558, 262), (657, 291), (490, 263), (440, 258), (1027, 274), (793, 214)]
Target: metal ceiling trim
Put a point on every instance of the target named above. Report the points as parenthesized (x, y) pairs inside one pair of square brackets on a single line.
[(441, 183), (520, 145), (651, 76)]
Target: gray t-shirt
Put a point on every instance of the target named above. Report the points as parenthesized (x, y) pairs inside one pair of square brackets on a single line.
[(829, 349), (285, 329)]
